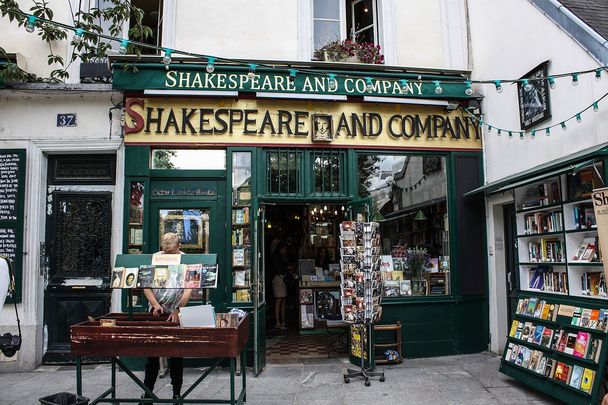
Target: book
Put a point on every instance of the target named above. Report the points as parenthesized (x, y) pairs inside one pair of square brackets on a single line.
[(405, 287), (534, 359), (594, 349), (209, 276), (602, 323), (508, 352), (563, 340), (594, 318), (526, 331), (513, 328), (565, 310), (240, 278), (545, 312), (514, 353), (520, 330), (539, 308), (117, 277), (576, 316), (547, 337), (585, 318), (553, 311), (521, 305), (130, 278), (161, 275), (549, 368), (538, 334), (176, 276), (580, 252), (540, 369), (595, 280), (520, 355), (226, 320), (145, 276), (562, 372), (570, 342), (587, 380), (576, 377), (527, 354), (580, 346), (531, 334), (531, 306), (192, 275), (306, 296)]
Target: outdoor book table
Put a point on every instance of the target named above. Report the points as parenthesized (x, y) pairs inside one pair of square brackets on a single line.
[(143, 335)]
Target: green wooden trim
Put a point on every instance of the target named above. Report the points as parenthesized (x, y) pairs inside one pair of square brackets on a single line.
[(17, 225), (177, 173), (137, 160)]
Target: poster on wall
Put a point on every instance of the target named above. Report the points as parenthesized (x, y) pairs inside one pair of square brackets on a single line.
[(533, 97), (600, 206)]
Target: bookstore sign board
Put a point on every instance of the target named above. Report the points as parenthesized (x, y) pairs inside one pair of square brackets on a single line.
[(600, 206), (268, 122)]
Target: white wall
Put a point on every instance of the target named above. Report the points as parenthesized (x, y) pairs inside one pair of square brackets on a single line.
[(28, 120), (502, 49)]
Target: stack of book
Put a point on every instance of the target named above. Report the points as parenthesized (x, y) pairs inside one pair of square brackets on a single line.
[(546, 250), (593, 284), (541, 222)]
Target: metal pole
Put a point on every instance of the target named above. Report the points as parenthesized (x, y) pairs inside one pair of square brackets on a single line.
[(78, 375)]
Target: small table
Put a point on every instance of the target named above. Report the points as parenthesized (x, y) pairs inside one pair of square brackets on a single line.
[(143, 335)]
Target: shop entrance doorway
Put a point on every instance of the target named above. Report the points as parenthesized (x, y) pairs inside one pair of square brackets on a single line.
[(302, 276)]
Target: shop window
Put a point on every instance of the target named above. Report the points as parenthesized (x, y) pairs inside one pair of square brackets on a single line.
[(153, 18), (409, 200), (335, 20), (284, 171), (189, 159), (326, 172)]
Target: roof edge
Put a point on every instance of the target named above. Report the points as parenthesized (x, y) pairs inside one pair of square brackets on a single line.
[(582, 33)]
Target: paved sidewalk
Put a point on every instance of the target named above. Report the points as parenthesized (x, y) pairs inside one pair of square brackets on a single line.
[(466, 379)]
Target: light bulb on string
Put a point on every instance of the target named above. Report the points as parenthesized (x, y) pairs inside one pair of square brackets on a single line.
[(251, 73), (533, 134), (167, 58), (499, 132), (78, 33), (210, 61), (521, 136), (124, 45), (292, 75), (498, 86), (489, 128), (31, 23), (575, 79), (563, 125), (333, 84), (526, 84), (595, 106), (548, 131), (578, 118), (404, 87), (438, 88), (510, 134), (468, 90), (370, 86), (551, 81), (598, 74)]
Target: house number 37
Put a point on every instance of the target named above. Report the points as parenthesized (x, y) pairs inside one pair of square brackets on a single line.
[(66, 120)]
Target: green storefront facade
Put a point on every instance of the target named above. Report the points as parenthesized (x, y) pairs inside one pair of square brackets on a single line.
[(266, 130)]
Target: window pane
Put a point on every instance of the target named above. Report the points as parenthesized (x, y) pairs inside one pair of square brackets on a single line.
[(283, 171), (189, 159), (191, 227), (326, 169), (327, 9), (326, 32), (241, 178), (366, 35), (409, 199), (364, 14)]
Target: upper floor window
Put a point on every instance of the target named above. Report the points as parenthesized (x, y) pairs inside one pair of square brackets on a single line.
[(335, 20), (153, 18)]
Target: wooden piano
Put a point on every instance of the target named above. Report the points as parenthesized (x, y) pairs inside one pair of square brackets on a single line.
[(143, 335)]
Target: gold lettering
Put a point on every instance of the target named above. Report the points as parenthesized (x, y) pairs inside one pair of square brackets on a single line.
[(170, 80)]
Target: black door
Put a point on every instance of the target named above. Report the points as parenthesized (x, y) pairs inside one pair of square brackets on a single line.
[(78, 246), (510, 242)]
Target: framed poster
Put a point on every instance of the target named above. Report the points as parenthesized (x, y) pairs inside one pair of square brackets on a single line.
[(534, 104), (191, 226)]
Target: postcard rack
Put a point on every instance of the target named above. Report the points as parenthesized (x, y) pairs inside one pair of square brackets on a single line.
[(558, 347), (361, 291)]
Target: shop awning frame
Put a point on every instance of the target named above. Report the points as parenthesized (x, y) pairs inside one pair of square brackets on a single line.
[(569, 163)]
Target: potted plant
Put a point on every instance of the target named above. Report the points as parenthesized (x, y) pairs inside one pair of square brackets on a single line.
[(350, 51), (417, 260)]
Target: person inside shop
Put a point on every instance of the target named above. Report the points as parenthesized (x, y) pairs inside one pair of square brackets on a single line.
[(166, 303), (279, 287), (322, 259)]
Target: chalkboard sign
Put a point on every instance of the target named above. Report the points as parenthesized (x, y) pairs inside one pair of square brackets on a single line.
[(12, 191)]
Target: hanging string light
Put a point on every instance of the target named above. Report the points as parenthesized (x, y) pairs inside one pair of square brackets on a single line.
[(167, 57), (564, 127), (31, 23), (598, 74), (124, 44), (498, 86), (404, 86), (78, 33), (292, 75), (468, 90), (438, 88), (251, 73), (370, 86), (333, 83), (575, 79), (551, 81), (526, 84), (210, 61)]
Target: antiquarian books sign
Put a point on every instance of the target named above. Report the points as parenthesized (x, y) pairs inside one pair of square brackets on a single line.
[(600, 205), (264, 122), (12, 191)]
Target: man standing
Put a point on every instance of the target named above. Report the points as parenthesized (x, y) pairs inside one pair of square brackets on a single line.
[(167, 302)]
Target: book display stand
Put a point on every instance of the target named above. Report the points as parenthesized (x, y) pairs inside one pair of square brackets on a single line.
[(557, 341), (361, 290)]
